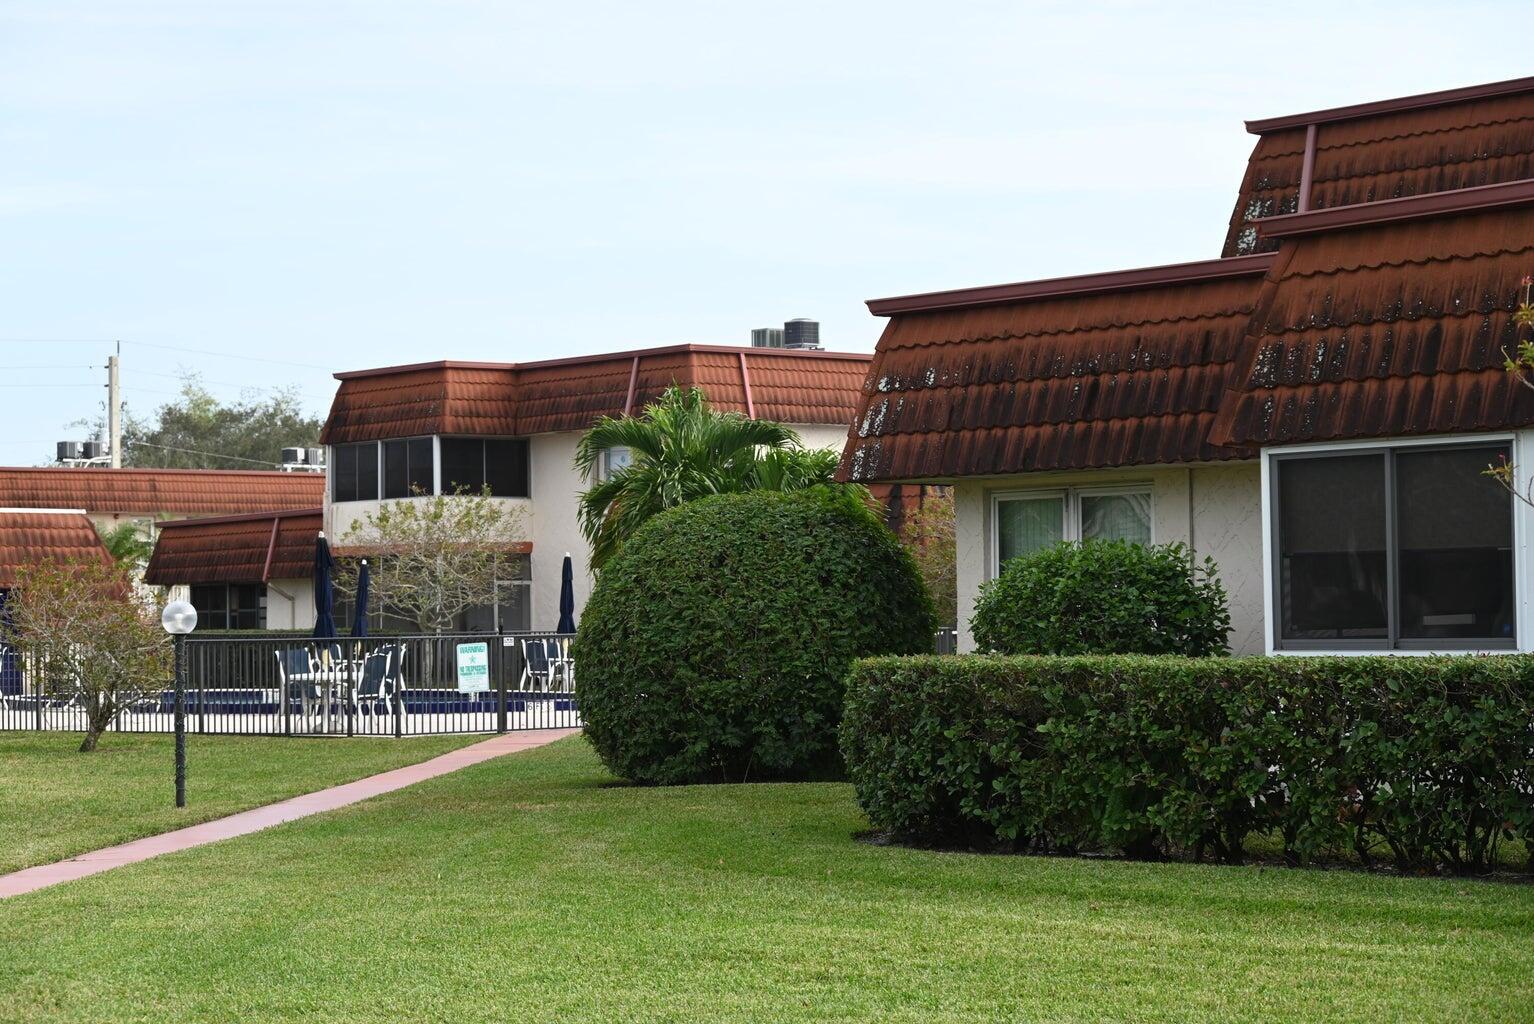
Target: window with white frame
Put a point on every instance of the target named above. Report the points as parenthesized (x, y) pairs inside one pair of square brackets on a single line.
[(1399, 547), (1027, 521), (613, 460)]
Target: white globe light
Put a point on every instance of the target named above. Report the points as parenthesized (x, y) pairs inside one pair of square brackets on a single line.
[(179, 617)]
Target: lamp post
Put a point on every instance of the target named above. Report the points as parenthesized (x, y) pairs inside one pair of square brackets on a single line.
[(179, 618)]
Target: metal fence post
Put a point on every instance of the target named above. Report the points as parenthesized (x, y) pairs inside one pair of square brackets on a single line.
[(202, 702), (498, 663), (180, 643)]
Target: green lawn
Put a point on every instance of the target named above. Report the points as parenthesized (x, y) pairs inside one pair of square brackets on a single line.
[(529, 888), (56, 802)]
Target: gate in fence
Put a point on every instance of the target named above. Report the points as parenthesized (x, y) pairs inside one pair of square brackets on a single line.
[(370, 686)]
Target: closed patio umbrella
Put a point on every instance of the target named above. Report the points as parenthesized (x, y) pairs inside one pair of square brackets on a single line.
[(567, 597), (360, 619), (324, 596)]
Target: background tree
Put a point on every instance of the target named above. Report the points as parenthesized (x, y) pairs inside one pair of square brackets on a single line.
[(927, 531), (247, 433), (129, 545), (81, 633), (436, 557), (683, 449)]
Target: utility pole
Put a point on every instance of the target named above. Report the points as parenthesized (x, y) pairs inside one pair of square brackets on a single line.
[(114, 410)]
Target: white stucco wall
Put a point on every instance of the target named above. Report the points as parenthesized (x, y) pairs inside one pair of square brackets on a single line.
[(821, 435), (1216, 510), (290, 604), (554, 528)]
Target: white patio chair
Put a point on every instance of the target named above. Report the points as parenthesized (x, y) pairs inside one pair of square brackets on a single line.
[(300, 678)]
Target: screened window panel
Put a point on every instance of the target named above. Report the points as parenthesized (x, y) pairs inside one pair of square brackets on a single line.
[(463, 464), (1116, 517), (354, 477), (1026, 525), (1332, 557), (422, 477), (343, 473), (212, 604), (396, 475), (1455, 530), (367, 471), (506, 469)]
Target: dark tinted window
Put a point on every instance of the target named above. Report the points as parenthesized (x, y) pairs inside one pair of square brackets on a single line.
[(1455, 531), (212, 604), (463, 464), (1332, 560), (506, 468), (472, 463), (1406, 547), (229, 606), (354, 473), (407, 468)]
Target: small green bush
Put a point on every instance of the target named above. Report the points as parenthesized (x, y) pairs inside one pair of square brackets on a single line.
[(715, 644), (1425, 762), (1104, 597)]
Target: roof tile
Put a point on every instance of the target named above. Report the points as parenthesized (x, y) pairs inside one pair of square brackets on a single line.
[(151, 492), (535, 398), (236, 549), (32, 537)]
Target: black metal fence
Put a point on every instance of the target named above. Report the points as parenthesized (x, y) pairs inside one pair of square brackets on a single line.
[(373, 686), (946, 641)]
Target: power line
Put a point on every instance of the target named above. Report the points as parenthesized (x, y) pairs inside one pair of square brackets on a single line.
[(194, 451), (167, 348), (228, 355)]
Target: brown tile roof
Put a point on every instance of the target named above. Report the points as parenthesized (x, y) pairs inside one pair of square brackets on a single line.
[(148, 492), (1386, 329), (1099, 376), (236, 549), (30, 537), (1376, 151), (569, 394)]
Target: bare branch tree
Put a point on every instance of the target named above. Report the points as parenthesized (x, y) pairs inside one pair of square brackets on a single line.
[(441, 555), (1520, 364), (84, 635)]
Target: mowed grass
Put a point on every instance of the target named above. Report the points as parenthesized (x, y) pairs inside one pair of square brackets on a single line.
[(530, 888), (56, 802)]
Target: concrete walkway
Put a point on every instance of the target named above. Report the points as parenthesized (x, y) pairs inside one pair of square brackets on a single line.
[(44, 875)]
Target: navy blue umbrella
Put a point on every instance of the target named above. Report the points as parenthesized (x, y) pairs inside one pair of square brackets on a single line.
[(324, 597), (360, 619), (567, 598)]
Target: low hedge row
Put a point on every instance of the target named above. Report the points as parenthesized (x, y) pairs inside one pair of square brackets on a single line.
[(1428, 762)]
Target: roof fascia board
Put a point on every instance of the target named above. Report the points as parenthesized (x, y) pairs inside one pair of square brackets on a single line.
[(1432, 204), (1084, 284), (601, 357), (244, 517), (1417, 102)]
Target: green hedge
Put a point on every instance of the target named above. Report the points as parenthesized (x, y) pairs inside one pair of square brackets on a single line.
[(1425, 762), (715, 643), (1104, 597)]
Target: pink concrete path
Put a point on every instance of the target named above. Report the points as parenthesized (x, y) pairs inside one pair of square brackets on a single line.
[(257, 818)]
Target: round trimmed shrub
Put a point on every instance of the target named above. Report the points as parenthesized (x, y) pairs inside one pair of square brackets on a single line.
[(715, 644), (1104, 597)]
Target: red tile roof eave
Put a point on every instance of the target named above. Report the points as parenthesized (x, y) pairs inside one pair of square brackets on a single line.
[(1430, 204), (1418, 101), (244, 517), (603, 357), (1082, 284)]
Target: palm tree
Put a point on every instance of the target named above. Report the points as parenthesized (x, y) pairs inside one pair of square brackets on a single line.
[(682, 449)]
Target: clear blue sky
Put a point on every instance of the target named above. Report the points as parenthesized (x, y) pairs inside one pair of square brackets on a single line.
[(342, 185)]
